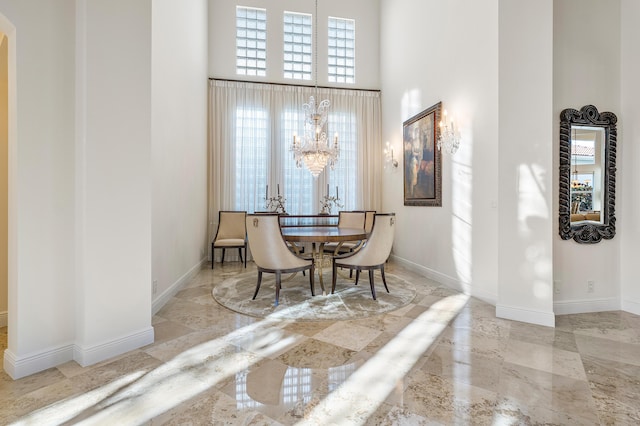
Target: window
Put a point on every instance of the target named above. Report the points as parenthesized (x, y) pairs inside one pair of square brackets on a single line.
[(251, 41), (341, 54), (300, 189), (297, 46), (343, 175), (254, 126), (256, 153), (251, 154), (582, 192)]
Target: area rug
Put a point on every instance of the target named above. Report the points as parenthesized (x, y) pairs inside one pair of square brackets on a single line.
[(348, 302)]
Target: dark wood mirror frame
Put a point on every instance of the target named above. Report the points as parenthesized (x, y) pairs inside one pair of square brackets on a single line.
[(587, 232)]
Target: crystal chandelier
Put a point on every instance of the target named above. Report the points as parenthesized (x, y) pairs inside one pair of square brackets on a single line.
[(315, 150), (449, 139)]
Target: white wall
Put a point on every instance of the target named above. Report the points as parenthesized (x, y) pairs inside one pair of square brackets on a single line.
[(587, 71), (80, 181), (179, 147), (222, 59), (628, 201), (41, 176), (425, 59), (113, 178), (525, 161)]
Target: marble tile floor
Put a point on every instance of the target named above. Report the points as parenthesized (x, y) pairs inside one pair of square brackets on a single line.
[(444, 359)]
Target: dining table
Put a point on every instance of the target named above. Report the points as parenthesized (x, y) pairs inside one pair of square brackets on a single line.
[(318, 236)]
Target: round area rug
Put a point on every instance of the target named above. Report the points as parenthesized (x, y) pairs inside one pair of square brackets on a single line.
[(348, 302)]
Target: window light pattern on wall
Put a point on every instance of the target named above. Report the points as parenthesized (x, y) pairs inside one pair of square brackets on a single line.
[(342, 50), (297, 45), (251, 41)]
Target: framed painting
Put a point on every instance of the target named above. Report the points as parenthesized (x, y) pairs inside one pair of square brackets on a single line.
[(422, 160)]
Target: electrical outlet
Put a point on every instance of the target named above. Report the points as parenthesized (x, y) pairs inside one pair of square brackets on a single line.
[(556, 286), (155, 286), (591, 286)]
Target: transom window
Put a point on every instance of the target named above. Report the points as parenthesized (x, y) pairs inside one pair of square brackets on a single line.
[(297, 45), (251, 41), (341, 54)]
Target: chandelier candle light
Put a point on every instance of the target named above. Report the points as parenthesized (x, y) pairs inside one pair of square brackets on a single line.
[(449, 139), (315, 151)]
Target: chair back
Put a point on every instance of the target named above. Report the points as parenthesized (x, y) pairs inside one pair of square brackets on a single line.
[(231, 225), (267, 246), (378, 246), (347, 219)]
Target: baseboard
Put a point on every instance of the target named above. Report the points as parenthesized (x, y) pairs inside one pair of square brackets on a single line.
[(18, 368), (526, 315), (587, 305), (4, 319), (631, 306), (91, 355), (166, 295), (25, 366), (446, 280)]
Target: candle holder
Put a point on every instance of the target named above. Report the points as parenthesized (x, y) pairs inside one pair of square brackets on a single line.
[(327, 202), (276, 203)]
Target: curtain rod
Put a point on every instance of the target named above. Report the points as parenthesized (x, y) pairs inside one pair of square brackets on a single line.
[(292, 85)]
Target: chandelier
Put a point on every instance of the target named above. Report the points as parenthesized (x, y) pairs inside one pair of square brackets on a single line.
[(315, 150), (449, 139)]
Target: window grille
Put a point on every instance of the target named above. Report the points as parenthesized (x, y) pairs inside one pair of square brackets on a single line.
[(251, 41), (342, 50), (297, 45)]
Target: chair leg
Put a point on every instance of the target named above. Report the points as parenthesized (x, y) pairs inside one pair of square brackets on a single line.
[(384, 280), (240, 253), (258, 285), (357, 275), (222, 260), (373, 289), (311, 274), (245, 255), (334, 272), (277, 287), (213, 258)]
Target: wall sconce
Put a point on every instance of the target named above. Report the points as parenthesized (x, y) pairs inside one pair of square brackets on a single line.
[(449, 139), (388, 156)]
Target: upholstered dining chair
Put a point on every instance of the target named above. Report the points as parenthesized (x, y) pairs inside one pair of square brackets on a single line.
[(372, 255), (231, 233), (349, 246), (348, 219), (270, 252), (298, 250)]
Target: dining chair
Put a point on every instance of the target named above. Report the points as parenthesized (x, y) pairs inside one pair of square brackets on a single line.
[(349, 219), (350, 246), (231, 233), (270, 252), (298, 250), (372, 255)]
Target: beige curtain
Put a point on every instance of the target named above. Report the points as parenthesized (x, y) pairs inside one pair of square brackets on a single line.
[(226, 98)]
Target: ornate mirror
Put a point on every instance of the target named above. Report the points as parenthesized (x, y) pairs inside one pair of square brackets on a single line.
[(587, 174)]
